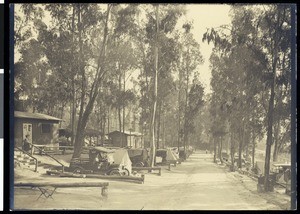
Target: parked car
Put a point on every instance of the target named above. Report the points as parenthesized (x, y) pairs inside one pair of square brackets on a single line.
[(139, 157), (100, 161)]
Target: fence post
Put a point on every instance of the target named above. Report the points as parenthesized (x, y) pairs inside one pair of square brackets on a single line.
[(36, 165), (32, 149)]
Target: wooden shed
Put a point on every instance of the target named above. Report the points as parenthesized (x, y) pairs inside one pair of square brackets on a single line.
[(41, 128), (126, 139)]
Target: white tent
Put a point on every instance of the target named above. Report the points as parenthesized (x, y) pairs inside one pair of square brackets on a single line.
[(121, 157), (170, 156)]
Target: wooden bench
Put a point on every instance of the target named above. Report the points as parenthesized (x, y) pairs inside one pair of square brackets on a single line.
[(47, 193), (148, 168)]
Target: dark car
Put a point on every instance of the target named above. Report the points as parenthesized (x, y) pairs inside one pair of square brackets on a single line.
[(163, 154), (139, 157), (100, 161)]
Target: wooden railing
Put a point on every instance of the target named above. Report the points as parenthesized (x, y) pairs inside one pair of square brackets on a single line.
[(36, 161), (41, 151)]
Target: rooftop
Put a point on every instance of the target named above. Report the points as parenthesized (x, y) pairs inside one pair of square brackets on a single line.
[(127, 133), (37, 116)]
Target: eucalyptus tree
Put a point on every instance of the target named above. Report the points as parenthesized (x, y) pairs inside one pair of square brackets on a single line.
[(122, 55), (82, 24), (190, 58), (158, 55), (266, 39)]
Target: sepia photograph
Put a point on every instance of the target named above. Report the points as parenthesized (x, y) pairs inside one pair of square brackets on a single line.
[(152, 106)]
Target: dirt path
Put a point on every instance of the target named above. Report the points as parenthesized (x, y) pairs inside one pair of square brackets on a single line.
[(196, 184)]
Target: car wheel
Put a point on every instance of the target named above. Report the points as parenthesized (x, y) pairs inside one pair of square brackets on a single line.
[(139, 164), (77, 170), (115, 172), (126, 172)]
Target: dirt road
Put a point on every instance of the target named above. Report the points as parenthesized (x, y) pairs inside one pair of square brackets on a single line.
[(196, 184)]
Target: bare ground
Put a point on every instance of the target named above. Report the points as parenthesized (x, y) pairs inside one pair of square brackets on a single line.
[(196, 184)]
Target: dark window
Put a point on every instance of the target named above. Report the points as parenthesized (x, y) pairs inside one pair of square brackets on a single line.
[(46, 128)]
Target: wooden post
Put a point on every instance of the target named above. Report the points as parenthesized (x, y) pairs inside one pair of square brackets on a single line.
[(104, 191), (32, 149)]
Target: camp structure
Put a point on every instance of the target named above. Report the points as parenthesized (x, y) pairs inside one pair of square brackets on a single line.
[(91, 137), (126, 139), (41, 128)]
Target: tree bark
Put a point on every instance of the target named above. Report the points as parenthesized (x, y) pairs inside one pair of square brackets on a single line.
[(276, 141), (215, 150), (241, 138), (221, 148), (253, 150), (232, 150), (158, 125), (123, 104), (73, 111)]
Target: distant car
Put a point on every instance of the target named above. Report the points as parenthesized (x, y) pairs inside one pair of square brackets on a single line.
[(162, 154), (139, 157)]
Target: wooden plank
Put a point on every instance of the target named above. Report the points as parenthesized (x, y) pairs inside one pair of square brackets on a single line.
[(148, 168), (114, 177), (61, 185)]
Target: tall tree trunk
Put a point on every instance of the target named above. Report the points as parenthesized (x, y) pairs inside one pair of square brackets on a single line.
[(215, 150), (153, 149), (164, 130), (271, 105), (123, 105), (221, 148), (119, 104), (84, 115), (73, 111), (179, 114), (108, 118), (185, 110), (61, 114), (232, 150), (240, 148), (276, 141), (158, 125), (253, 149)]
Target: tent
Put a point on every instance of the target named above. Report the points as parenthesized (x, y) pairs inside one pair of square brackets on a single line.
[(121, 157), (171, 156), (175, 153), (165, 155)]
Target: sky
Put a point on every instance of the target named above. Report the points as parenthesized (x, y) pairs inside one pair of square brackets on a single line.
[(206, 16)]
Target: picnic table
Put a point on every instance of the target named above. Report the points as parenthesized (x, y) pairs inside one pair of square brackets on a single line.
[(47, 189)]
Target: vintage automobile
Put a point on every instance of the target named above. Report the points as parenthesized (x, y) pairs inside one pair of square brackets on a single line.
[(100, 161), (139, 157)]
